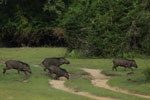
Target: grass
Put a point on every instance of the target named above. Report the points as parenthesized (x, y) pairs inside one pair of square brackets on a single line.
[(81, 84), (120, 78), (37, 88), (30, 55), (12, 86), (138, 83)]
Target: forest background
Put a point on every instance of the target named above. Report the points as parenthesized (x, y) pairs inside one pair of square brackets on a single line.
[(101, 28)]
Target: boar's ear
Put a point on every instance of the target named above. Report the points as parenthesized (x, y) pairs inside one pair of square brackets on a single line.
[(62, 58), (27, 65), (59, 58)]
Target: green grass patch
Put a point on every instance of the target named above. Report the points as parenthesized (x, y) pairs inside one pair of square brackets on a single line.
[(119, 78), (37, 87), (30, 55), (137, 82), (13, 87), (81, 84)]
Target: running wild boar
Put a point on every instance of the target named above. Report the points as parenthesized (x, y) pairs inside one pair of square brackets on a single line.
[(58, 72), (124, 63), (18, 65), (56, 61)]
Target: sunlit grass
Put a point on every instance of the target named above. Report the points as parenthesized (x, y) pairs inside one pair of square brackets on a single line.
[(37, 87), (30, 55), (119, 78), (81, 84)]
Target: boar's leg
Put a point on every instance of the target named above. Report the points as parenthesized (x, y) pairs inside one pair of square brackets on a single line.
[(124, 68), (18, 71), (30, 72), (45, 69), (25, 72), (4, 70), (57, 76), (114, 67), (51, 72)]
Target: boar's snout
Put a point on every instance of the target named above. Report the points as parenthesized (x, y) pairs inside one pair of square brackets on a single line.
[(27, 68), (67, 75), (64, 61), (30, 72), (67, 62), (136, 66)]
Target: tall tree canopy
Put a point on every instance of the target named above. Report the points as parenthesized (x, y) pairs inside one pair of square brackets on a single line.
[(95, 27)]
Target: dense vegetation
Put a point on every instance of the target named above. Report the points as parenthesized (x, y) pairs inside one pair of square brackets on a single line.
[(94, 27)]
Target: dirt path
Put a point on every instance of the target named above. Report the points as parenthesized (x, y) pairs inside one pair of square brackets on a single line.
[(58, 84), (101, 80)]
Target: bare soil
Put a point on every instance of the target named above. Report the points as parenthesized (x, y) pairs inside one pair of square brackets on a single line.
[(100, 80), (59, 84)]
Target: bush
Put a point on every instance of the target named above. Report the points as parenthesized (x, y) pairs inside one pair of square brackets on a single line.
[(75, 54), (104, 28)]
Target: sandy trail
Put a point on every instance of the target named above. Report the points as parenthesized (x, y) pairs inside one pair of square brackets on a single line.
[(58, 84), (101, 80)]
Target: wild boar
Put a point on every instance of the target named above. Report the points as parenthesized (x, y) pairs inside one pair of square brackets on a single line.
[(18, 65), (56, 61), (58, 72), (124, 63)]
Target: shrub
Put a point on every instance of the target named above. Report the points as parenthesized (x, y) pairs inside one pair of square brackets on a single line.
[(75, 54)]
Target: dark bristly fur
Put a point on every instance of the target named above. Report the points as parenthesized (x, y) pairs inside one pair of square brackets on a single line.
[(56, 61), (18, 65), (58, 71), (124, 63)]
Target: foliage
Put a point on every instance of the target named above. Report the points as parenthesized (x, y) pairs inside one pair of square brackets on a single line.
[(27, 23), (75, 54), (103, 28)]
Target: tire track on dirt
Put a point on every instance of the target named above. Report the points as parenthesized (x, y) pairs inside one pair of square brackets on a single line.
[(100, 80), (58, 84)]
